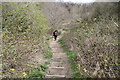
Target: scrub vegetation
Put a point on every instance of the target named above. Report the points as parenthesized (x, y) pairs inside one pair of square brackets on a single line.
[(90, 38), (24, 29), (95, 39)]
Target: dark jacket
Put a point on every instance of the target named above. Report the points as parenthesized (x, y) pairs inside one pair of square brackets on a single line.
[(55, 33)]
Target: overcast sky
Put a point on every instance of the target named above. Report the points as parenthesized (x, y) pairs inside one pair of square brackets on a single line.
[(88, 1), (74, 1), (79, 1)]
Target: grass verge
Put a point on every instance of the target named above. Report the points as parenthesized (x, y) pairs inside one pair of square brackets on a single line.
[(37, 73), (71, 56), (48, 54)]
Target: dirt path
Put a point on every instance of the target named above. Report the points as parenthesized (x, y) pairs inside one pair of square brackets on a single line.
[(59, 66)]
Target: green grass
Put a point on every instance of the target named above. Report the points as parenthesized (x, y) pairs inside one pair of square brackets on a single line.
[(37, 73), (48, 54), (72, 56)]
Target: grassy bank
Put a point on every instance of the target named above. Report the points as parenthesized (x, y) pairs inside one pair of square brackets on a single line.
[(24, 32), (71, 56)]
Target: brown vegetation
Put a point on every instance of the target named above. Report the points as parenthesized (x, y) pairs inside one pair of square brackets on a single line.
[(95, 40), (92, 33)]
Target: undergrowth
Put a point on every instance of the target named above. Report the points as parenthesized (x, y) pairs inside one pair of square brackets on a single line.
[(37, 73), (48, 54), (72, 56), (24, 29)]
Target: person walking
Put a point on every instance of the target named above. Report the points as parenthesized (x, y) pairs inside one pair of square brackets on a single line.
[(55, 34)]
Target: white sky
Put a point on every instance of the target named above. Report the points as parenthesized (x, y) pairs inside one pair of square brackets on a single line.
[(78, 1), (88, 1), (74, 1)]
